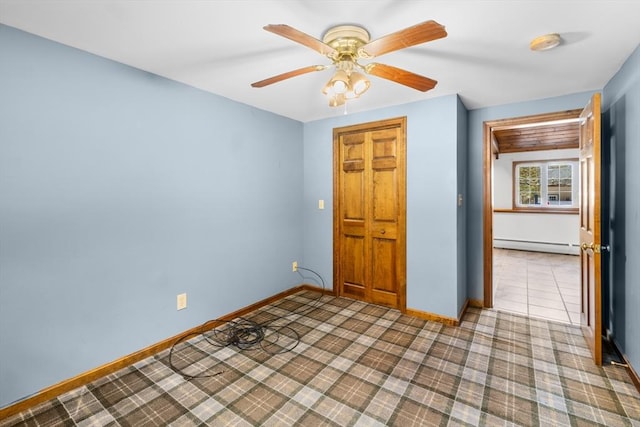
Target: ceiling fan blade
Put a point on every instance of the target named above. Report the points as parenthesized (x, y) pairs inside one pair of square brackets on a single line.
[(288, 75), (401, 76), (420, 33), (302, 38)]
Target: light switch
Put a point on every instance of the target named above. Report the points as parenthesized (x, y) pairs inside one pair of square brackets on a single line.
[(320, 204), (182, 301)]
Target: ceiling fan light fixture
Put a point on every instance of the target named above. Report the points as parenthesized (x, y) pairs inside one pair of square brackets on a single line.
[(339, 88), (339, 83), (359, 83), (337, 100), (333, 88), (350, 95)]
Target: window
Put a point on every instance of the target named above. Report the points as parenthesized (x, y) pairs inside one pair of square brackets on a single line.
[(529, 185), (559, 185), (546, 184)]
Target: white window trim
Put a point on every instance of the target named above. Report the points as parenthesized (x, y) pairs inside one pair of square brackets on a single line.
[(575, 184)]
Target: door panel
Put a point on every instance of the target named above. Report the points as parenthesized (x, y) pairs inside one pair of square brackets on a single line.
[(353, 267), (369, 213), (384, 278), (384, 190), (590, 228), (353, 177), (354, 204)]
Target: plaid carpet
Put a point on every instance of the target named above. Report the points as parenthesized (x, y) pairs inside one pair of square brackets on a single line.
[(362, 365)]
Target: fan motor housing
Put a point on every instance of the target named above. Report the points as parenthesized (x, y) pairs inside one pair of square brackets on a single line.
[(346, 39)]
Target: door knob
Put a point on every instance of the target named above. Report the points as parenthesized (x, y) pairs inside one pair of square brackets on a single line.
[(382, 231), (586, 246)]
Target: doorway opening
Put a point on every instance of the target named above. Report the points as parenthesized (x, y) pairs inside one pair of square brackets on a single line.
[(531, 221)]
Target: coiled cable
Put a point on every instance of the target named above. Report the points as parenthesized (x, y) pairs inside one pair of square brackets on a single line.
[(244, 334)]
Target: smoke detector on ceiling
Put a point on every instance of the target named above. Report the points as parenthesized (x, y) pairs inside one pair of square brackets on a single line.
[(546, 42)]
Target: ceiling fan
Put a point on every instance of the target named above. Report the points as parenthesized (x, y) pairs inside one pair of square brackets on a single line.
[(345, 45)]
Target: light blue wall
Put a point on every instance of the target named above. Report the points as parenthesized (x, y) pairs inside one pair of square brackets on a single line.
[(475, 174), (621, 107), (432, 146), (119, 190), (462, 134)]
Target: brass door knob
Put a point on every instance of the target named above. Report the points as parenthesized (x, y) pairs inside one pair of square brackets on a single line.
[(586, 246)]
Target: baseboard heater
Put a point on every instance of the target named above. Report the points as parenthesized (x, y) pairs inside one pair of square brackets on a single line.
[(537, 246)]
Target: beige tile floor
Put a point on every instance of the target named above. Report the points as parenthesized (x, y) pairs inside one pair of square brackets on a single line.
[(537, 284)]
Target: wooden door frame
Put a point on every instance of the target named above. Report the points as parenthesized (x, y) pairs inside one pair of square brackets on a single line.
[(487, 167)]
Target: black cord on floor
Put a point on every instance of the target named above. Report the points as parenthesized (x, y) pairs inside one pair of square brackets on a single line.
[(246, 334)]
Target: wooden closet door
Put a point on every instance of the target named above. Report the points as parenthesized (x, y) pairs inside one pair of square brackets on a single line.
[(369, 212)]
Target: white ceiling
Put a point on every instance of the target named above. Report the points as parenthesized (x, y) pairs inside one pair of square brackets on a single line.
[(220, 46)]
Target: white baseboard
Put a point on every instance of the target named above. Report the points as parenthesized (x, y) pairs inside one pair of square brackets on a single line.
[(558, 248)]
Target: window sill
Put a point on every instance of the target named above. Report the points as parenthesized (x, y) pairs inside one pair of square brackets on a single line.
[(573, 211)]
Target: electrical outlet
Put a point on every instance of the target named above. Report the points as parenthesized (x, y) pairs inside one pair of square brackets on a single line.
[(294, 266), (182, 301)]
